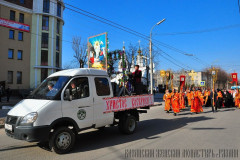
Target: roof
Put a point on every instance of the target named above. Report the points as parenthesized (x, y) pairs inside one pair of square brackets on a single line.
[(80, 72)]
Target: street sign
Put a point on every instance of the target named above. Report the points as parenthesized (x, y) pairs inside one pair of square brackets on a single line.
[(202, 83)]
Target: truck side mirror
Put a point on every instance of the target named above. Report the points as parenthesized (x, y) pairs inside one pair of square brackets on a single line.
[(67, 96)]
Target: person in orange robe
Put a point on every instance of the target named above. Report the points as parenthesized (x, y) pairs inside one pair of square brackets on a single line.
[(167, 98), (189, 97), (175, 103), (200, 96), (181, 100), (219, 102), (237, 99), (207, 101), (196, 102), (193, 107)]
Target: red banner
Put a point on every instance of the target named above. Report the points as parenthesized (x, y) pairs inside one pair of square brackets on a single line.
[(234, 77), (117, 104), (182, 81), (14, 25)]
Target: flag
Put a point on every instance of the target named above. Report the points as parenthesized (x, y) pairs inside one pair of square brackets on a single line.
[(234, 77)]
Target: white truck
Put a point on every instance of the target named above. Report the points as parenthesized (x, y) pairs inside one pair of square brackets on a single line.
[(70, 101)]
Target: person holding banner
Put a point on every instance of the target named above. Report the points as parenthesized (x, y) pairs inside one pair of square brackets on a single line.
[(167, 98), (181, 100)]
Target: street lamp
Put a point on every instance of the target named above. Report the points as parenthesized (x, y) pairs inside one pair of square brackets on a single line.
[(150, 50)]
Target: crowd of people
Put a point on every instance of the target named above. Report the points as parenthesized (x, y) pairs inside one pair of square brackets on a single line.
[(196, 98)]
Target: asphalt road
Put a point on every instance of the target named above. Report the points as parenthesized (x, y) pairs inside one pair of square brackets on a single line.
[(185, 136)]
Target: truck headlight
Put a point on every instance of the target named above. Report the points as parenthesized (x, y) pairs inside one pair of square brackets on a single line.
[(29, 118)]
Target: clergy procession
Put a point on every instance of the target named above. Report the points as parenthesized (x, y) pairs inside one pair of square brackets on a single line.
[(196, 98)]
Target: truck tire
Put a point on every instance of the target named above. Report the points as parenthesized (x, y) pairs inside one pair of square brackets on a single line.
[(127, 125), (62, 140)]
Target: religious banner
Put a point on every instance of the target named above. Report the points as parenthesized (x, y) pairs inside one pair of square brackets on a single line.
[(162, 73), (97, 51), (14, 25), (234, 77), (182, 81), (116, 104)]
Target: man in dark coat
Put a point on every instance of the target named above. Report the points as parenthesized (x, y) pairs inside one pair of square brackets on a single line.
[(137, 80), (215, 98)]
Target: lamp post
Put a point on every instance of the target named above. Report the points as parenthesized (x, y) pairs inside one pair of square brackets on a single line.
[(150, 53)]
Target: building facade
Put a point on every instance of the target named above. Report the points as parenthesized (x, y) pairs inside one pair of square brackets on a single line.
[(46, 47), (31, 41), (15, 43)]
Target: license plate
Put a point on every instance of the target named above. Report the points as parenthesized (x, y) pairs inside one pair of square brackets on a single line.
[(8, 127)]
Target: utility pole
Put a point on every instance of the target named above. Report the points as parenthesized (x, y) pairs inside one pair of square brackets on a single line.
[(150, 54), (214, 71)]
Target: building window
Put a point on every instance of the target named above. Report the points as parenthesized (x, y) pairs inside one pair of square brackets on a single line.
[(22, 1), (44, 40), (44, 73), (19, 77), (57, 43), (20, 36), (10, 53), (46, 4), (19, 55), (11, 34), (44, 58), (102, 86), (59, 10), (45, 23), (21, 17), (57, 59), (10, 77), (12, 15), (58, 26)]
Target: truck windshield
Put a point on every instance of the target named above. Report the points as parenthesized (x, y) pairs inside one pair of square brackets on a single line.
[(50, 88)]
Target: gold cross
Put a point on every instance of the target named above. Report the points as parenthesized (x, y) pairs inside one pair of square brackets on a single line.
[(192, 74)]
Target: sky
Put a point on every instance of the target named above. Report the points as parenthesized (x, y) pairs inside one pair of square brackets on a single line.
[(216, 46)]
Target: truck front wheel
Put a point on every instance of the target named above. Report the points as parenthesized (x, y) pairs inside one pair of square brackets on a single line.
[(62, 140), (128, 125)]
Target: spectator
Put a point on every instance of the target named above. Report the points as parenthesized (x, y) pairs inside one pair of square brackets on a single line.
[(8, 93), (1, 92)]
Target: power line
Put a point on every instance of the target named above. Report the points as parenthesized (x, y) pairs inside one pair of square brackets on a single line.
[(200, 31), (126, 29), (132, 31), (239, 5)]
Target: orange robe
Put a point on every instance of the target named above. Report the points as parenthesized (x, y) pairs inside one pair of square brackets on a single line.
[(237, 100), (175, 103), (189, 97), (201, 98), (167, 99), (196, 105), (219, 95), (206, 94), (181, 101)]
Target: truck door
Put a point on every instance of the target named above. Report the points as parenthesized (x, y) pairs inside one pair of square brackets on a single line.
[(80, 108), (101, 90)]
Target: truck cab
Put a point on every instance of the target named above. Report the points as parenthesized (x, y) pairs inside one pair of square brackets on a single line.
[(64, 104)]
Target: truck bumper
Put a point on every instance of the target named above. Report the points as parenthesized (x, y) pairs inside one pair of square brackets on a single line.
[(29, 133)]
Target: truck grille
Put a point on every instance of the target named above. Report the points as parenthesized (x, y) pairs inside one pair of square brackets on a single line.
[(12, 120)]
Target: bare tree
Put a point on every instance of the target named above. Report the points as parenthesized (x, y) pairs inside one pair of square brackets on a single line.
[(80, 51), (130, 55)]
